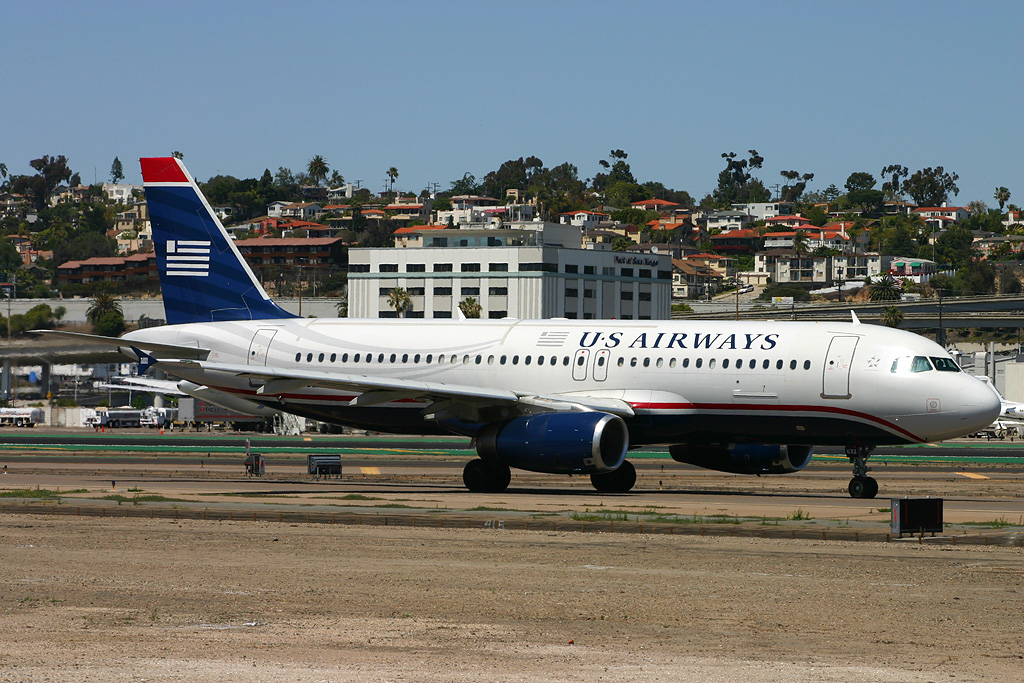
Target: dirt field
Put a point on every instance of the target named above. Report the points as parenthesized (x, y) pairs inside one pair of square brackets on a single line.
[(89, 599)]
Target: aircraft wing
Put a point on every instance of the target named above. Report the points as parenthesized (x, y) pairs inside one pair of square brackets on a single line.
[(374, 390)]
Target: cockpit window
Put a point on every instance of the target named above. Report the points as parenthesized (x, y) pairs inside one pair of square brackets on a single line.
[(920, 364), (945, 364)]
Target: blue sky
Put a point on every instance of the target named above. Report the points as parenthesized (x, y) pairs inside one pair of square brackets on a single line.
[(439, 89)]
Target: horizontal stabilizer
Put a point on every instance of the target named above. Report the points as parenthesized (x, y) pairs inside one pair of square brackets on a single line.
[(154, 348)]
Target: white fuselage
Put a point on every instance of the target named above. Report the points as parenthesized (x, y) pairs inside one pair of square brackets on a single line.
[(695, 381)]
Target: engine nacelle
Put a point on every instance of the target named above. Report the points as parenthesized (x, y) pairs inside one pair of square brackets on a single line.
[(744, 458), (557, 443)]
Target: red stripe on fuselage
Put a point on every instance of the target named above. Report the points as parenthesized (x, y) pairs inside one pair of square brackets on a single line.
[(162, 170)]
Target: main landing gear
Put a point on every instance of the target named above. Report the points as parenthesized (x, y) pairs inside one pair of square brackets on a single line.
[(861, 486), (486, 476)]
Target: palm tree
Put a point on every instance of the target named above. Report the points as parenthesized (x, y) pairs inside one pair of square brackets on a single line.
[(1002, 196), (342, 304), (392, 176), (891, 316), (399, 299), (800, 242), (883, 288), (317, 169), (102, 304), (470, 307)]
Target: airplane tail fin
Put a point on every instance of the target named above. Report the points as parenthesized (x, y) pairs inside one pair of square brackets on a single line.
[(202, 274)]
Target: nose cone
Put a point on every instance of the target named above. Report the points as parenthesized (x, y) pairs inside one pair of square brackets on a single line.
[(979, 405)]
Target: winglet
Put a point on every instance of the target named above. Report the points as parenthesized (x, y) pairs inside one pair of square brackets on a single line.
[(856, 320)]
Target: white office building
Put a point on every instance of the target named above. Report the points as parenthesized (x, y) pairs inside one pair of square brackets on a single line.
[(518, 270)]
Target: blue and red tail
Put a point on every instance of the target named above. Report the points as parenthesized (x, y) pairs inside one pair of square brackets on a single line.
[(202, 275)]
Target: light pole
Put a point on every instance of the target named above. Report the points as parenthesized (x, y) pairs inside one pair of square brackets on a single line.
[(841, 282)]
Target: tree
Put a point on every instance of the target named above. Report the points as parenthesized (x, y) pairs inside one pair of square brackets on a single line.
[(954, 246), (1002, 196), (883, 288), (894, 186), (797, 185), (470, 307), (10, 259), (465, 185), (102, 304), (860, 192), (931, 186), (317, 169), (116, 171), (735, 182), (392, 176), (399, 299), (51, 172), (110, 324), (342, 305), (178, 155), (891, 316), (816, 215), (800, 242)]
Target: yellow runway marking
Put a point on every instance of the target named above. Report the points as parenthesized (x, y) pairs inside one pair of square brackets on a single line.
[(972, 475), (369, 470)]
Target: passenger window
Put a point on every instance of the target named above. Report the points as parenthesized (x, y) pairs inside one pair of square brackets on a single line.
[(320, 358), (647, 362), (502, 360), (309, 358), (660, 362), (686, 363), (405, 358), (920, 364), (490, 360), (807, 365), (479, 359), (356, 358), (622, 361), (515, 360), (298, 357), (565, 360), (600, 361), (540, 360), (526, 361), (792, 365), (945, 364), (554, 360), (764, 366), (712, 362), (632, 362), (454, 359), (778, 364), (416, 358), (671, 362), (579, 361), (393, 358), (700, 362), (465, 359), (380, 357), (753, 364), (430, 357), (725, 364)]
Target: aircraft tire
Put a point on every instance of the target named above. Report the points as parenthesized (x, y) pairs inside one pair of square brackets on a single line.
[(620, 480), (863, 487), (481, 476)]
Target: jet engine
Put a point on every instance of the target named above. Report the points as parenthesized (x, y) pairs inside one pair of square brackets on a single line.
[(557, 443), (744, 458)]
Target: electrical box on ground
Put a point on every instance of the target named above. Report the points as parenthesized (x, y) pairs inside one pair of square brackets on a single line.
[(916, 516), (324, 465)]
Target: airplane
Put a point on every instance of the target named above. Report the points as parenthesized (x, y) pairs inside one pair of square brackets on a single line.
[(555, 396)]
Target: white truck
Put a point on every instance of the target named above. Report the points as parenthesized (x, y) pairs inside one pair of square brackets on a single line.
[(20, 417), (158, 418), (114, 418)]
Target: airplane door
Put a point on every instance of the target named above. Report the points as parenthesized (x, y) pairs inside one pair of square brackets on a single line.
[(259, 346), (580, 363), (601, 360), (835, 382)]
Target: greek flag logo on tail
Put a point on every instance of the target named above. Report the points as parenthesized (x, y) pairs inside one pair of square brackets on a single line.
[(203, 277), (190, 258)]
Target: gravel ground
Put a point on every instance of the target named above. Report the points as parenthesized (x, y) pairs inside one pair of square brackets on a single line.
[(89, 599)]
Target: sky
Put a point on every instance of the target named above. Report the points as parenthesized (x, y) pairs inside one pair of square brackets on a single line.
[(439, 89)]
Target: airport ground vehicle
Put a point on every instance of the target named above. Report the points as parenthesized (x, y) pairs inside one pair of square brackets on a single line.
[(195, 413), (20, 417), (115, 418), (158, 418)]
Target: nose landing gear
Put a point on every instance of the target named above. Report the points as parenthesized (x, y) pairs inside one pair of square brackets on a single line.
[(861, 486)]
